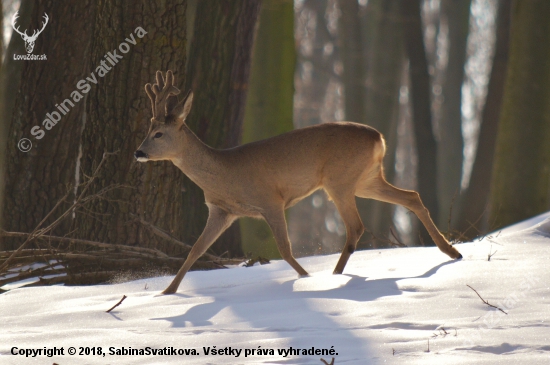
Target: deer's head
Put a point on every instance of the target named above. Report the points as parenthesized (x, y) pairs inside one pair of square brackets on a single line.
[(29, 40), (169, 115)]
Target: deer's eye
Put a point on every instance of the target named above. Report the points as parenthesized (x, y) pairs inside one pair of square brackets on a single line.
[(158, 135)]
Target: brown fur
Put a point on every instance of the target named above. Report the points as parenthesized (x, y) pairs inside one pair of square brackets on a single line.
[(263, 178)]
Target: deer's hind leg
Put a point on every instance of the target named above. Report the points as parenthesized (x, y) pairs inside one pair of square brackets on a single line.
[(344, 199), (380, 189), (276, 220)]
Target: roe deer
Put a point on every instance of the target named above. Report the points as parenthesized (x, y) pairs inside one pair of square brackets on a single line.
[(263, 178)]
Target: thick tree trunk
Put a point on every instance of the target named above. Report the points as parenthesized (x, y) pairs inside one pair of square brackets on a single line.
[(474, 206), (451, 144), (218, 72), (269, 105), (37, 179), (421, 105), (521, 174), (10, 76), (117, 119)]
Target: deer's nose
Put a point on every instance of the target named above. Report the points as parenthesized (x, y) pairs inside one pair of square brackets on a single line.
[(139, 153)]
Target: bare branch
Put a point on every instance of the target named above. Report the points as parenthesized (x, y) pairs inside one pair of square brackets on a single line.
[(37, 231), (163, 234), (116, 305), (491, 254), (485, 301), (149, 251)]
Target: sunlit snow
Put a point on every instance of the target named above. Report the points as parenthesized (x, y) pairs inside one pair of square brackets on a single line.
[(384, 309)]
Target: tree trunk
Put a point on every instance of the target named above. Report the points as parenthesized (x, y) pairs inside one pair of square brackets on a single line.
[(218, 72), (10, 75), (269, 105), (37, 179), (385, 56), (117, 119), (421, 105), (474, 205), (451, 144), (521, 175), (353, 60)]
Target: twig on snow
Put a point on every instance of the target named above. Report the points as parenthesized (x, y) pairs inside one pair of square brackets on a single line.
[(485, 301), (116, 305), (491, 254)]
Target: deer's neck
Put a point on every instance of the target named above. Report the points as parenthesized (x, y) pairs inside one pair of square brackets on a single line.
[(198, 161)]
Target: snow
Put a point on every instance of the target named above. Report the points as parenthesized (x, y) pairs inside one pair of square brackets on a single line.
[(384, 309)]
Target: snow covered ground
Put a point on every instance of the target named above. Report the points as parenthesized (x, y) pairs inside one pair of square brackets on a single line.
[(384, 309)]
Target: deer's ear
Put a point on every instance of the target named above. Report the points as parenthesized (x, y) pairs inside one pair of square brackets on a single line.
[(183, 108)]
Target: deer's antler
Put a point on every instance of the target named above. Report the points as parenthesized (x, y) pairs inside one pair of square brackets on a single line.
[(161, 95)]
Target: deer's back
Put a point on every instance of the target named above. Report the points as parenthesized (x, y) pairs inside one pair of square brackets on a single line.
[(294, 164), (312, 148)]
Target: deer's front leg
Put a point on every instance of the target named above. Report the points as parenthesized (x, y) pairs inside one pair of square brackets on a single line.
[(218, 221)]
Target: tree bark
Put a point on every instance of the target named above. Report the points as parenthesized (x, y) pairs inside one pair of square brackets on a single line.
[(451, 144), (421, 105), (269, 105), (218, 72), (117, 119), (521, 175), (36, 180), (474, 206), (10, 78)]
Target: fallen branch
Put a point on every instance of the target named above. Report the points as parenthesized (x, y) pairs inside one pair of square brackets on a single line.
[(163, 234), (92, 267), (43, 271), (116, 305), (38, 231), (33, 234), (74, 261), (90, 243), (485, 301)]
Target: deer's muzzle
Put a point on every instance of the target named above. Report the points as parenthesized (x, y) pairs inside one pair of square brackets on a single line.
[(141, 156)]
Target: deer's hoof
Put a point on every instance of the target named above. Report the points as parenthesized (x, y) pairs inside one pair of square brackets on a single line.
[(168, 291)]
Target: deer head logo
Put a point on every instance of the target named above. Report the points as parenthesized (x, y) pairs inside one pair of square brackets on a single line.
[(29, 40)]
